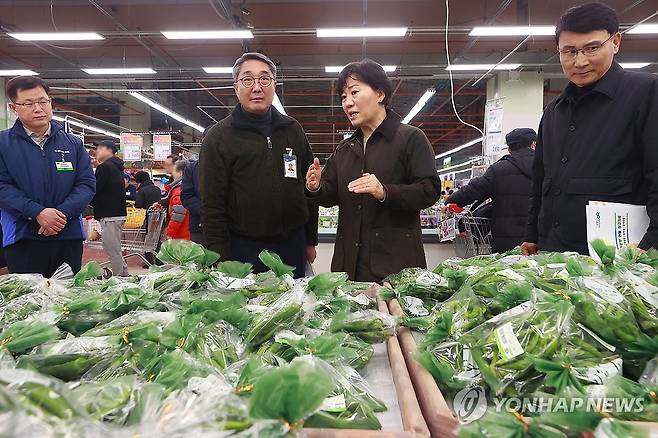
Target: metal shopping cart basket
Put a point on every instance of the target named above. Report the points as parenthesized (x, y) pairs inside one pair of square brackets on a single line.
[(141, 234), (470, 235)]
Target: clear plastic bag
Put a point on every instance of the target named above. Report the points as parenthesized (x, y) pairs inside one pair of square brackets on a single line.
[(371, 326)]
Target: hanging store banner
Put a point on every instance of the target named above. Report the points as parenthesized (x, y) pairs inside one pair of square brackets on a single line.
[(161, 146), (131, 146)]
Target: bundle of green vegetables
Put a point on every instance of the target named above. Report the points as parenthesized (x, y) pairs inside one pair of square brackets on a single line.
[(189, 347)]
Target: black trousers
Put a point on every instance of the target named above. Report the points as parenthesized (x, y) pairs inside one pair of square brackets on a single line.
[(43, 257), (291, 248)]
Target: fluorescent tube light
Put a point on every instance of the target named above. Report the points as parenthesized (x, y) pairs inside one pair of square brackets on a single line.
[(88, 127), (208, 34), (644, 28), (119, 71), (482, 67), (512, 30), (17, 73), (166, 111), (634, 64), (276, 103), (450, 169), (338, 68), (353, 32), (459, 148), (419, 105), (56, 36), (222, 70)]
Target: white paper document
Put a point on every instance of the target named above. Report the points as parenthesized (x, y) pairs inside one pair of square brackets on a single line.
[(616, 224)]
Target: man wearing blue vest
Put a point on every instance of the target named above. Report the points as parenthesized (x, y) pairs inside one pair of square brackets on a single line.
[(46, 182)]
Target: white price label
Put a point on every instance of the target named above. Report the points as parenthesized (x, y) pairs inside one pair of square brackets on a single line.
[(603, 289), (600, 374), (508, 344), (430, 279), (521, 308), (512, 275), (415, 306), (334, 404), (646, 290)]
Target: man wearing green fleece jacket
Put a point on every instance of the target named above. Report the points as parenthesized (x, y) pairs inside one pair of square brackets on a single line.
[(252, 168)]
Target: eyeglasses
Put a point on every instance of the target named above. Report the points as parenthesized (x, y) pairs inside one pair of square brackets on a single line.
[(588, 51), (249, 82), (43, 103)]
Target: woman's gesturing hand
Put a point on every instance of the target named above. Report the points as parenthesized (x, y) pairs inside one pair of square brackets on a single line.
[(313, 176), (368, 183)]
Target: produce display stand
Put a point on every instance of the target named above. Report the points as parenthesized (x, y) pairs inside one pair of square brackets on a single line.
[(439, 417), (413, 422)]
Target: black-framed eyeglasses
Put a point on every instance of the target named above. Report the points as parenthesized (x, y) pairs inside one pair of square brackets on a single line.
[(43, 103), (588, 51), (263, 81)]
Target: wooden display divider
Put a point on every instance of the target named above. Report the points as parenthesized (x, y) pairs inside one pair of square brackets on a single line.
[(413, 421), (439, 417)]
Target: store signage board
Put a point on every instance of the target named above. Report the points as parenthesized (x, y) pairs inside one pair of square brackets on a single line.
[(131, 146), (494, 145), (161, 146)]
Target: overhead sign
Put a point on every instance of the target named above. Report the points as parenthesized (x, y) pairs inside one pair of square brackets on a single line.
[(161, 146), (131, 146)]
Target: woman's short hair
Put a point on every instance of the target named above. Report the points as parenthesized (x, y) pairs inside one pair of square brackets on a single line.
[(371, 73)]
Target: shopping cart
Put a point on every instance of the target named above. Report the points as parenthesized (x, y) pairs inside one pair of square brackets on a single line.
[(141, 234), (470, 235)]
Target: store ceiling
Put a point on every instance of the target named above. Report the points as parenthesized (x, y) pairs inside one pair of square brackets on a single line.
[(285, 30)]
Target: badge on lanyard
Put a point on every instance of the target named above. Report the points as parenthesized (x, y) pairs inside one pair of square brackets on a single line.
[(64, 166), (289, 164)]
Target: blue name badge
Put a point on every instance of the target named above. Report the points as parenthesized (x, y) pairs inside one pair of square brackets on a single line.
[(289, 164)]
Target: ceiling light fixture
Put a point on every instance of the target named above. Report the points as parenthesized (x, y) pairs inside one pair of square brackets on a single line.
[(459, 148), (119, 71), (17, 73), (338, 68), (56, 36), (85, 126), (512, 31), (361, 32), (419, 105), (208, 34), (634, 64), (220, 70), (480, 67), (165, 110), (645, 28)]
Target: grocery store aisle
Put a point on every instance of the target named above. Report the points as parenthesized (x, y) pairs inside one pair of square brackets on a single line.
[(434, 252)]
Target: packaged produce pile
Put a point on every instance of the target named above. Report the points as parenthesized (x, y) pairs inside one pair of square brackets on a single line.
[(187, 349), (559, 343)]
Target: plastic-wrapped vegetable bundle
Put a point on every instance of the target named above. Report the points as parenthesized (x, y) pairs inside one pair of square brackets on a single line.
[(350, 405), (504, 350), (219, 344), (290, 393), (611, 428), (185, 252), (424, 284), (507, 424), (326, 283), (124, 297), (109, 400), (464, 309), (182, 333), (621, 388), (604, 310), (174, 369), (274, 262), (334, 348), (139, 324), (13, 286), (286, 312), (220, 307), (488, 282), (451, 364), (83, 312), (41, 393), (69, 359), (371, 326), (22, 336)]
